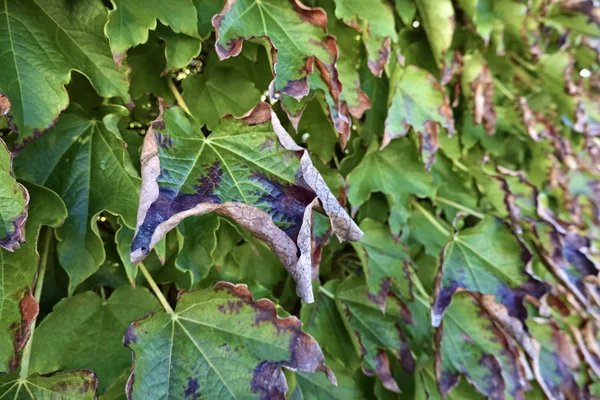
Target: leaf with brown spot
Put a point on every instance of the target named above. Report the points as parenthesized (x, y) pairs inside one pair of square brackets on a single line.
[(375, 20), (14, 201), (299, 41), (403, 325), (80, 384), (488, 259), (478, 88), (469, 343), (248, 169), (219, 343), (420, 102), (17, 276)]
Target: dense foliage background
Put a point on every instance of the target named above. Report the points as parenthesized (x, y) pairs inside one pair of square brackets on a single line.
[(438, 238)]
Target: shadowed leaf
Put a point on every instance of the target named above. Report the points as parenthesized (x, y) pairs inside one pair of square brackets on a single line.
[(14, 201), (86, 331)]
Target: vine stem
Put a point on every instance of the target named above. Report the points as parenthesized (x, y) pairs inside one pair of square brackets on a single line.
[(24, 373), (178, 97), (156, 289)]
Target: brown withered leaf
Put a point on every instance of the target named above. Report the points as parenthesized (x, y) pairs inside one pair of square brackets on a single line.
[(248, 169), (478, 88)]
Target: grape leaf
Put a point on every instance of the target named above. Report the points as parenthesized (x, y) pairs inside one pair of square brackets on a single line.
[(439, 23), (385, 262), (221, 91), (45, 40), (376, 21), (395, 171), (374, 332), (179, 48), (469, 343), (248, 169), (14, 200), (219, 343), (316, 386), (17, 275), (88, 168), (70, 385), (197, 243), (85, 330), (488, 259), (298, 36), (420, 102), (130, 20)]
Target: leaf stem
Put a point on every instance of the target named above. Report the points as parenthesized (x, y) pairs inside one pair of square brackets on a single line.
[(460, 207), (505, 91), (431, 219), (178, 97), (155, 289), (326, 292), (24, 373)]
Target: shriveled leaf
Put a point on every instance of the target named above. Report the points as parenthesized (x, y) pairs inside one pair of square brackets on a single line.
[(17, 276), (376, 21), (130, 20), (248, 169), (69, 385), (395, 171), (420, 102), (85, 331), (488, 259), (44, 41), (89, 168), (478, 87), (469, 344), (220, 343), (14, 201)]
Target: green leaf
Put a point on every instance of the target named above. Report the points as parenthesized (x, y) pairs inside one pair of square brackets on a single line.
[(220, 343), (14, 201), (86, 331), (316, 386), (148, 64), (376, 20), (17, 276), (428, 229), (197, 243), (130, 20), (439, 23), (86, 168), (469, 343), (374, 332), (488, 259), (298, 35), (420, 102), (45, 40), (395, 171), (217, 93), (386, 263), (70, 385), (249, 170), (179, 48)]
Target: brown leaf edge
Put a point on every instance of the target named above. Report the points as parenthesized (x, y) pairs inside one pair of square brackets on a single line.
[(12, 242), (301, 88), (253, 219), (268, 379)]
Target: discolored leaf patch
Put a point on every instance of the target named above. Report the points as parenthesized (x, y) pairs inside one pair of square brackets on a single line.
[(486, 259), (79, 384), (248, 169), (220, 343), (14, 201), (420, 102)]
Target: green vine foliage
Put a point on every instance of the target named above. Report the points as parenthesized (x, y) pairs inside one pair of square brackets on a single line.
[(299, 199)]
